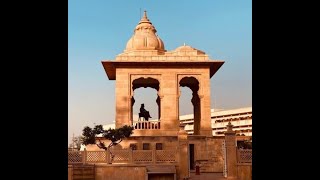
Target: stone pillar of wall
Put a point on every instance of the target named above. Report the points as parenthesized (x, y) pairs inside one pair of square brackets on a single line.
[(183, 170), (231, 151)]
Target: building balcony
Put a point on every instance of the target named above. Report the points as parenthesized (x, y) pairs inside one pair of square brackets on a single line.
[(235, 123)]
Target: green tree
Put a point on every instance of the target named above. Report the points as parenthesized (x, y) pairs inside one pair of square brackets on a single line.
[(114, 135)]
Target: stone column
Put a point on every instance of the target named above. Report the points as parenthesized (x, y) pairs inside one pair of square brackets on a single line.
[(196, 113), (204, 95), (123, 99), (169, 105), (131, 102), (231, 152), (159, 107), (183, 171)]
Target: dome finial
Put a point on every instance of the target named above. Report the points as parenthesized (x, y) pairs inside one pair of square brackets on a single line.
[(144, 18), (145, 13)]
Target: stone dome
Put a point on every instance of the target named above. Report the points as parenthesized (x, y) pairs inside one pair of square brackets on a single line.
[(186, 48), (145, 37)]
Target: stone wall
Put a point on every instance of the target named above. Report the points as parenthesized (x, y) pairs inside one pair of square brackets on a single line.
[(120, 172), (215, 155), (244, 171), (124, 172), (116, 172), (208, 152)]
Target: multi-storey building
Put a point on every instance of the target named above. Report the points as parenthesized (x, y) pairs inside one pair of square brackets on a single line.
[(240, 118)]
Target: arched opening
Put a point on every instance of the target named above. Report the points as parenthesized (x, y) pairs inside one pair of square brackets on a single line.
[(193, 84), (185, 104), (148, 95)]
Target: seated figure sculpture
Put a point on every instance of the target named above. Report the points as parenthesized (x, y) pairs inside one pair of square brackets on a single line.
[(144, 113)]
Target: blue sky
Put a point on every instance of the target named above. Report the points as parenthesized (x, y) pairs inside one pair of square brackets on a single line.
[(99, 30)]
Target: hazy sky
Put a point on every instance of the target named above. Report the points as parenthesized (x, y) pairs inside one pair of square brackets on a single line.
[(99, 30)]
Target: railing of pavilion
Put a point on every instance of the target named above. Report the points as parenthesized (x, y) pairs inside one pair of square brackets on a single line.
[(151, 124)]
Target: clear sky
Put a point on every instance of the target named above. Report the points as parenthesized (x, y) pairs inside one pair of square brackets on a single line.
[(99, 30)]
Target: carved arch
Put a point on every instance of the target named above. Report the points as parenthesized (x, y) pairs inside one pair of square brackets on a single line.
[(196, 77), (193, 82), (143, 80)]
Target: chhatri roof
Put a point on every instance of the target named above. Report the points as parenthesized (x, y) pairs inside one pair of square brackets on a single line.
[(146, 49)]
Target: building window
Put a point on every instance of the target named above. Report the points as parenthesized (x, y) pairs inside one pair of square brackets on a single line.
[(158, 146), (133, 146), (146, 146)]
